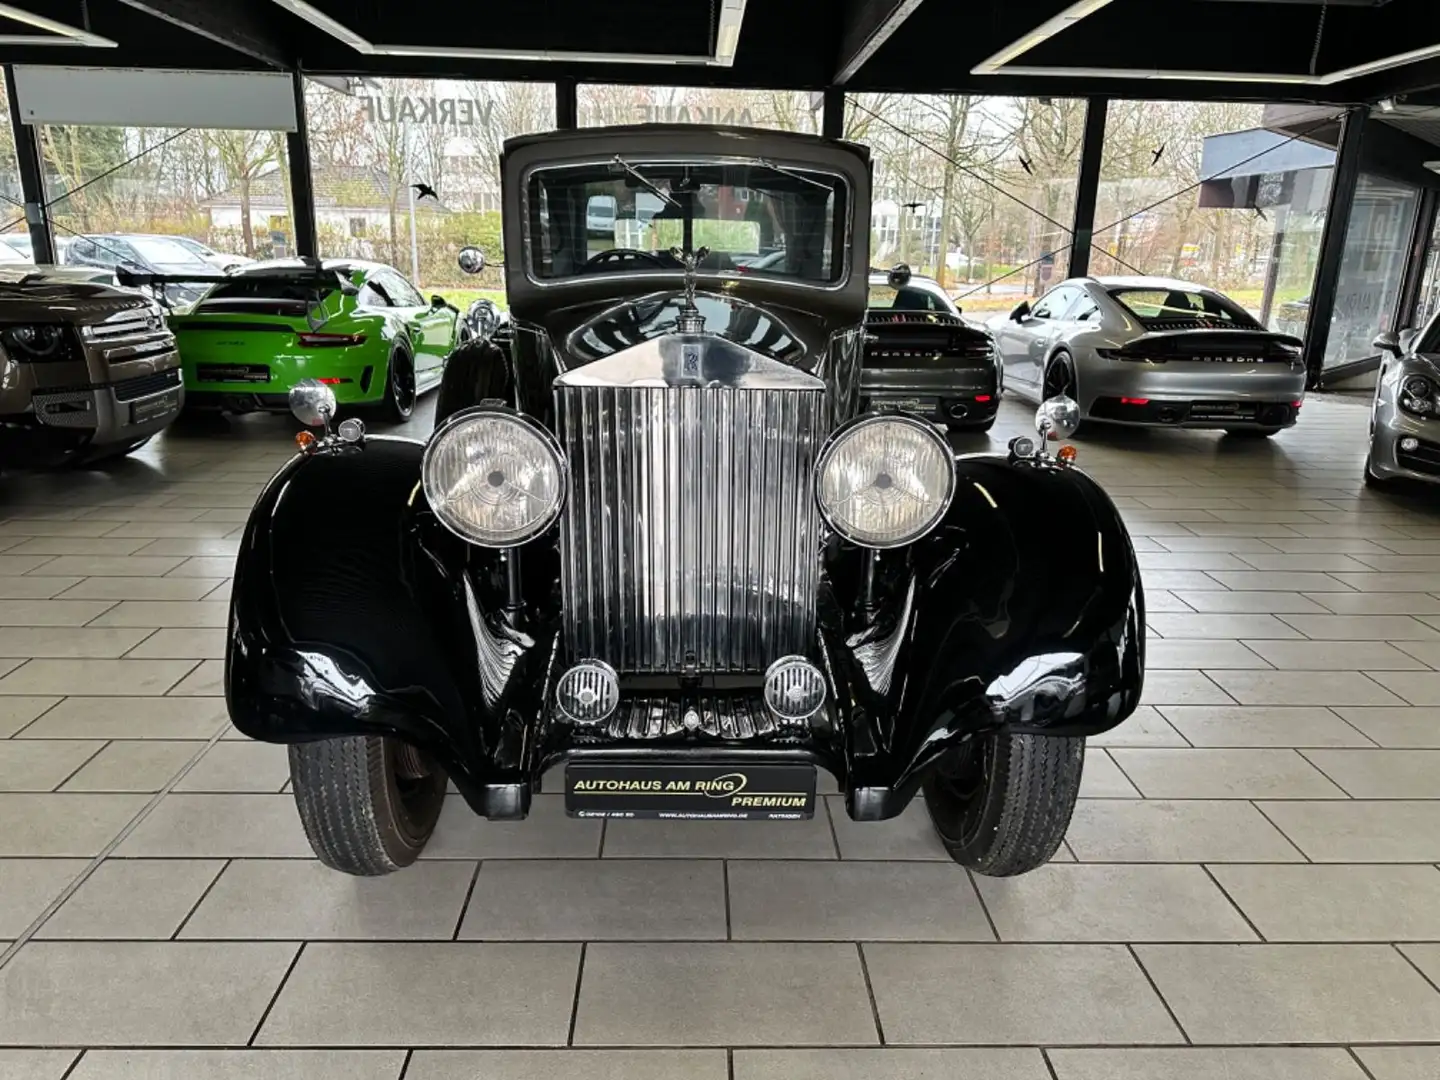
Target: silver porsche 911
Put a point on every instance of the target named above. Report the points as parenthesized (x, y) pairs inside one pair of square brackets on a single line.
[(1405, 417), (1152, 351)]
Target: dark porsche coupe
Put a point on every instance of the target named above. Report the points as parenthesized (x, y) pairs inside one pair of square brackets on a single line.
[(653, 547)]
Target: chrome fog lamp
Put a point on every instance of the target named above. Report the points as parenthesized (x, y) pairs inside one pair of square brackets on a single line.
[(588, 693), (1409, 444), (494, 477), (794, 689), (885, 481)]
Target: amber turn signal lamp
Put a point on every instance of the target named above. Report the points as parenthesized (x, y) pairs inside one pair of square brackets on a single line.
[(1065, 455), (304, 440)]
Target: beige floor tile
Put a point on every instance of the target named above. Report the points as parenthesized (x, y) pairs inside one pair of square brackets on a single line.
[(219, 566), (164, 613), (1224, 774), (42, 612), (1309, 687), (1382, 774), (1219, 626), (130, 718), (16, 713), (1189, 560), (1262, 725), (188, 547), (1111, 904), (240, 1065), (15, 565), (1181, 688), (1400, 727), (1291, 581), (154, 530), (1034, 994), (219, 826), (907, 837), (33, 587), (1172, 580), (34, 765), (371, 994), (74, 545), (131, 678), (181, 645), (720, 839), (132, 765), (63, 824), (552, 1064), (1152, 830), (1334, 655), (138, 589), (63, 642), (1164, 600), (112, 565), (1102, 778), (134, 899), (1345, 545), (892, 1063), (849, 901), (1356, 831), (294, 899), (1145, 727), (546, 834), (37, 1064), (1242, 994), (1415, 687), (611, 899), (723, 994), (1162, 653), (207, 680), (194, 993), (1401, 1062), (1386, 604), (1337, 903), (27, 886), (239, 767), (1236, 545), (39, 526), (1247, 1063), (1301, 561)]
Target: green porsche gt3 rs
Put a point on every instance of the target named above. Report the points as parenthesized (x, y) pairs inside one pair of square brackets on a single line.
[(359, 327)]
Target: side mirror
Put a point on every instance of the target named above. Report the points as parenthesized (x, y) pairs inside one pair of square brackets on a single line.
[(471, 260), (1021, 312), (437, 301), (1058, 418), (1387, 342), (313, 403)]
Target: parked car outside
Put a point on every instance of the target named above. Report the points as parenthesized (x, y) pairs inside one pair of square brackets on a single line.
[(86, 371), (654, 550), (1153, 352), (219, 260), (162, 255)]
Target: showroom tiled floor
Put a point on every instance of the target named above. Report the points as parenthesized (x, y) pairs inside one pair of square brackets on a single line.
[(1249, 890)]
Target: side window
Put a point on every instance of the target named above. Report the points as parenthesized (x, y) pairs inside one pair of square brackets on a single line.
[(1055, 303), (1087, 310), (80, 248), (371, 296), (401, 292)]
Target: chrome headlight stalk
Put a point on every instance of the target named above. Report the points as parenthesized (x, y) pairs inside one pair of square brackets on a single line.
[(494, 476), (885, 481)]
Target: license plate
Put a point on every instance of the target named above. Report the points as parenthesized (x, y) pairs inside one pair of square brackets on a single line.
[(691, 792), (155, 407), (923, 406)]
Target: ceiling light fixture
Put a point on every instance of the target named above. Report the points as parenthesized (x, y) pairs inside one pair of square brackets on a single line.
[(1387, 104), (727, 39), (1001, 62), (58, 33)]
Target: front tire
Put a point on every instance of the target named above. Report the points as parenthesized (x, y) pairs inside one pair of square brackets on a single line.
[(368, 804), (1003, 805)]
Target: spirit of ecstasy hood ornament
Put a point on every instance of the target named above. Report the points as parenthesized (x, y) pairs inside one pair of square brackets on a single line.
[(690, 321)]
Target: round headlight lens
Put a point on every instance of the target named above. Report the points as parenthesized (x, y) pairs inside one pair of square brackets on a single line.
[(1417, 386), (885, 481), (496, 479)]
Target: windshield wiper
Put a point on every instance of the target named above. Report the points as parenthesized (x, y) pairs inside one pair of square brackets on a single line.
[(783, 171), (650, 187)]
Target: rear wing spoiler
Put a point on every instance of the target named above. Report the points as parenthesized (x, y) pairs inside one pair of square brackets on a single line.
[(1242, 342), (317, 277)]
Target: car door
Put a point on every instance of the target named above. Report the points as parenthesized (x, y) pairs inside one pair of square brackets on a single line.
[(431, 329), (1028, 338)]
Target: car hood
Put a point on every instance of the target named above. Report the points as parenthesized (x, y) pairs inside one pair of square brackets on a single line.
[(48, 299)]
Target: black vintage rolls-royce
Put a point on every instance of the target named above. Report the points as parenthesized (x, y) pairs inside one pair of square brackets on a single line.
[(653, 551)]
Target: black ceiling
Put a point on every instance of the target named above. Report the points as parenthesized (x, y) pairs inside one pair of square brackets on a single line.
[(927, 46)]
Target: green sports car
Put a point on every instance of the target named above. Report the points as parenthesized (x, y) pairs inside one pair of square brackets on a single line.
[(359, 327)]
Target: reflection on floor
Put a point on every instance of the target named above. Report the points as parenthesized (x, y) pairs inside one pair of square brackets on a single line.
[(1249, 888)]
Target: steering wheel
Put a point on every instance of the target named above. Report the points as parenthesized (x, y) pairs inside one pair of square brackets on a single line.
[(615, 255)]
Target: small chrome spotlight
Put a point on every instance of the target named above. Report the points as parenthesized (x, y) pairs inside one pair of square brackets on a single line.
[(588, 693), (794, 689)]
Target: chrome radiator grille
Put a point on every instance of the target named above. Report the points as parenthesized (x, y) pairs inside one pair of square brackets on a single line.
[(690, 540)]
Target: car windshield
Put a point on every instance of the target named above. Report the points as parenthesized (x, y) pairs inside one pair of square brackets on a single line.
[(158, 251), (907, 298), (753, 217), (1182, 304)]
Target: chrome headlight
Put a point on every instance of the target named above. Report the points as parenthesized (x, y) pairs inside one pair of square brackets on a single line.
[(495, 478), (885, 481), (1418, 396)]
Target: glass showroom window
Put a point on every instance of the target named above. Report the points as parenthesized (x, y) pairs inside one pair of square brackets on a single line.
[(166, 200), (14, 233), (1205, 192), (978, 192), (407, 172), (608, 105)]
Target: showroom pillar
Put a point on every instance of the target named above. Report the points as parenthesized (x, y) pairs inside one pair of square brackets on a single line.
[(833, 117), (32, 176), (1092, 150), (567, 104), (302, 186), (1343, 182)]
